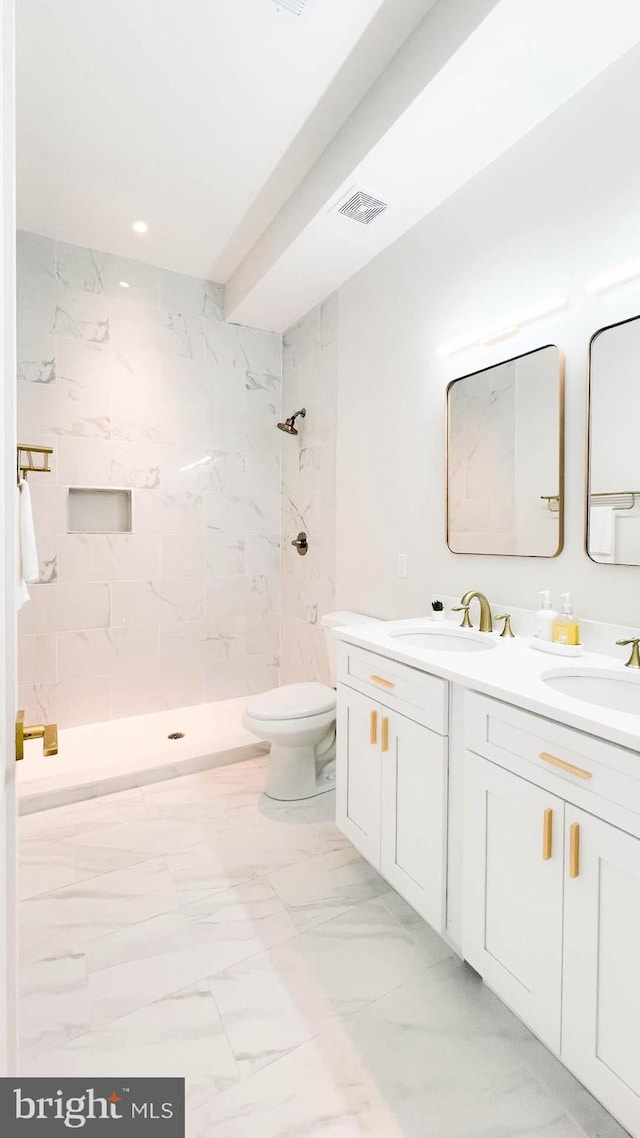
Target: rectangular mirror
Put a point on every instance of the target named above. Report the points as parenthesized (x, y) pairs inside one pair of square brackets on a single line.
[(613, 485), (505, 458)]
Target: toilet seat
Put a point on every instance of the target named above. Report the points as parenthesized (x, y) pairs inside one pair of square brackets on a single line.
[(293, 701)]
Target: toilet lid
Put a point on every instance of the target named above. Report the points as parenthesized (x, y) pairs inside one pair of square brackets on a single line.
[(292, 701)]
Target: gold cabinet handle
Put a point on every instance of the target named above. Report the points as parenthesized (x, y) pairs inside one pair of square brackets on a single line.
[(385, 733), (579, 772), (373, 727), (547, 835), (574, 849), (381, 680), (48, 732)]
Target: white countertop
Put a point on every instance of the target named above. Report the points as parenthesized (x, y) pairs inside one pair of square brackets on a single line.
[(513, 672)]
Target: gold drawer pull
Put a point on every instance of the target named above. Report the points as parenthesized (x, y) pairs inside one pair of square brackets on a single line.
[(574, 849), (579, 772), (547, 835), (380, 680), (385, 733), (373, 727)]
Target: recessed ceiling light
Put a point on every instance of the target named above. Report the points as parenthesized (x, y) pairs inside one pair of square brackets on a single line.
[(123, 284), (139, 227)]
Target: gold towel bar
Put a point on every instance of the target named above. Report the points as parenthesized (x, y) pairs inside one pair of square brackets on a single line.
[(25, 464)]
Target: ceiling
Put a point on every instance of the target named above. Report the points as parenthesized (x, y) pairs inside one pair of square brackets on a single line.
[(518, 66), (236, 129), (189, 114)]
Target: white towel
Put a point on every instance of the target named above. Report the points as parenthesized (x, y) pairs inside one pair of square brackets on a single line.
[(601, 530), (28, 564)]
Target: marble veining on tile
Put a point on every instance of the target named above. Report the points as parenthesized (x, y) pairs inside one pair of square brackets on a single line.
[(146, 388), (194, 928)]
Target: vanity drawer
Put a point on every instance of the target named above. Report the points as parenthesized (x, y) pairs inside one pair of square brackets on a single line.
[(576, 766), (418, 695)]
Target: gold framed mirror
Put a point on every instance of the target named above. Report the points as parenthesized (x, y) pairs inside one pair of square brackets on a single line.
[(505, 458), (612, 529)]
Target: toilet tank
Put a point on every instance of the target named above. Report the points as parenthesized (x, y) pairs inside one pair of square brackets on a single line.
[(339, 620)]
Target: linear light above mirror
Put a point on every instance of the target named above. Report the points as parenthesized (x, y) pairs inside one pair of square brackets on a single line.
[(506, 326)]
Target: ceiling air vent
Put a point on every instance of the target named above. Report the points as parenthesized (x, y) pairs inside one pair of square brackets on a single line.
[(295, 6), (362, 207)]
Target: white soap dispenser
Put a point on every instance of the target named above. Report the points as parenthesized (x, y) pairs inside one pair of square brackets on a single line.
[(545, 617)]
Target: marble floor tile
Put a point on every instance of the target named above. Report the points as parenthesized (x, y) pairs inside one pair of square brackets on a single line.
[(70, 918), (326, 886), (199, 871), (319, 1090), (148, 835), (252, 846), (454, 1061), (91, 814), (180, 1033), (194, 927), (53, 1003), (432, 945), (149, 959), (352, 959), (47, 865)]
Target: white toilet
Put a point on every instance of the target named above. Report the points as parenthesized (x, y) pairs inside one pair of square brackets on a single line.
[(299, 721)]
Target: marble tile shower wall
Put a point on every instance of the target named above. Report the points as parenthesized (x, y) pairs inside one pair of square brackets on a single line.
[(310, 371), (147, 388)]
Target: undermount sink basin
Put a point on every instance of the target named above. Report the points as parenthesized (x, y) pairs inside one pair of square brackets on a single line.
[(444, 639), (616, 692)]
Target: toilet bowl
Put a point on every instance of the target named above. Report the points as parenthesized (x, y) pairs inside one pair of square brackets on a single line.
[(299, 721)]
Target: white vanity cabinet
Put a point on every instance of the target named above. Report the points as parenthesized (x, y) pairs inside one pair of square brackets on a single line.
[(358, 775), (601, 991), (551, 890), (391, 797), (512, 908)]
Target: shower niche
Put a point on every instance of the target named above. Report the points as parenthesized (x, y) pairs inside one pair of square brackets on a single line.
[(98, 510)]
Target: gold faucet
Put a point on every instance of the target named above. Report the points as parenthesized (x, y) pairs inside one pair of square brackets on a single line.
[(486, 623), (634, 658)]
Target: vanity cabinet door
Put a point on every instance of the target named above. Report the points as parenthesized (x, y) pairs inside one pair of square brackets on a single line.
[(601, 1009), (512, 884), (414, 812), (359, 726)]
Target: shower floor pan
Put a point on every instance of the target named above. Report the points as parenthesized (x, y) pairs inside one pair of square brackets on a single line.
[(102, 758)]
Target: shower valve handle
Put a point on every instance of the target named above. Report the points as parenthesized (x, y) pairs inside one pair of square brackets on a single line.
[(48, 732), (301, 543)]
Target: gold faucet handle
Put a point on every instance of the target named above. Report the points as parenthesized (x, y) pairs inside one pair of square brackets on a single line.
[(50, 740), (634, 658), (507, 630), (466, 623), (48, 732)]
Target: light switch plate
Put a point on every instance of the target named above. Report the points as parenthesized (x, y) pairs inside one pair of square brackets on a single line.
[(402, 565)]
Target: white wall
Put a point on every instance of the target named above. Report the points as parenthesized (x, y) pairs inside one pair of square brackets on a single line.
[(557, 209)]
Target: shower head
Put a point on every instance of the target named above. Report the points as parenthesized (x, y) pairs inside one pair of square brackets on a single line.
[(288, 426)]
